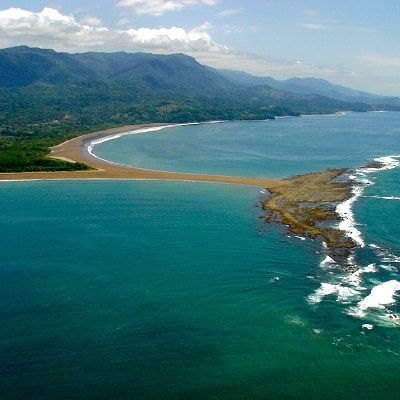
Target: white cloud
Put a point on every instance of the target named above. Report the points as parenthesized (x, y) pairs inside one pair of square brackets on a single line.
[(47, 27), (228, 29), (333, 25), (123, 21), (94, 21), (173, 39), (159, 7), (230, 11), (16, 20), (50, 28), (311, 12), (314, 26)]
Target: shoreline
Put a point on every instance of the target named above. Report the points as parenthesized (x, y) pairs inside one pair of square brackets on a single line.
[(303, 202), (76, 150), (307, 205)]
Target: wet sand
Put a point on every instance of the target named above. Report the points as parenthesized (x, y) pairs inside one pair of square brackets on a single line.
[(303, 202)]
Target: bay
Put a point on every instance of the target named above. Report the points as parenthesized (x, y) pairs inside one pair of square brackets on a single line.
[(277, 148)]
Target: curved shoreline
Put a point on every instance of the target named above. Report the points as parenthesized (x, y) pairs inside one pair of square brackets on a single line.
[(76, 150)]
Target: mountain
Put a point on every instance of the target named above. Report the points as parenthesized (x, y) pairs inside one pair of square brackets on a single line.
[(42, 85), (161, 76), (313, 86), (24, 66)]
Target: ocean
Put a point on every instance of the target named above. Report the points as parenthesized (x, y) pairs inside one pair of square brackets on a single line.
[(179, 290)]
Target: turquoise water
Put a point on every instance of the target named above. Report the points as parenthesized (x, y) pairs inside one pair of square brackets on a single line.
[(276, 148), (174, 290)]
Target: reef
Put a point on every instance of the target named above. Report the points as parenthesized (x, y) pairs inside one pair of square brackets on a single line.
[(306, 204)]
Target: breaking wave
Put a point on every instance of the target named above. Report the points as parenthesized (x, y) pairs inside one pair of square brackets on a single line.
[(368, 292)]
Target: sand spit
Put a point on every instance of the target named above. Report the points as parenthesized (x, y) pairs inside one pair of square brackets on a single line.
[(303, 202)]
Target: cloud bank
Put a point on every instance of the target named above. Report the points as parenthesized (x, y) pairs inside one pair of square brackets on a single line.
[(64, 33)]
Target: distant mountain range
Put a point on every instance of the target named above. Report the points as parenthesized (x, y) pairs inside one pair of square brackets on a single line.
[(312, 86)]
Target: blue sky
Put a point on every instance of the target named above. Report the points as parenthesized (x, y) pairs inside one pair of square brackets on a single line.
[(348, 42)]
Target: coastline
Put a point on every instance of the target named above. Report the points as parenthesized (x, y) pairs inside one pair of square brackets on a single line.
[(76, 150), (302, 202), (306, 204)]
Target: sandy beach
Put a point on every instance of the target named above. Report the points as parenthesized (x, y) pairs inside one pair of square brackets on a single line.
[(76, 150)]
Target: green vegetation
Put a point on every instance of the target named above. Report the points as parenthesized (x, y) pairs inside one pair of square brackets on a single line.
[(48, 97)]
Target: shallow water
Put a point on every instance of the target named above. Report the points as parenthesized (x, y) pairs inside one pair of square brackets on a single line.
[(144, 290), (277, 148)]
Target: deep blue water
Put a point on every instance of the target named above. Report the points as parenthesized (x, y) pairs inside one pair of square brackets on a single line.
[(176, 290)]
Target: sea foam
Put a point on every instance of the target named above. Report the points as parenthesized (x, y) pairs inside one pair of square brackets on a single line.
[(343, 294), (380, 296), (348, 223), (388, 162), (345, 288), (96, 142)]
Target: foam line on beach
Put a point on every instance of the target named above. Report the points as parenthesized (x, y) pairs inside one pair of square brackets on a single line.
[(118, 135), (93, 143)]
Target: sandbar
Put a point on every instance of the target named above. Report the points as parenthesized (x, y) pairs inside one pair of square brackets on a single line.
[(303, 202)]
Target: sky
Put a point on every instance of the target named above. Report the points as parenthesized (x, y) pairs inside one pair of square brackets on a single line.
[(354, 43)]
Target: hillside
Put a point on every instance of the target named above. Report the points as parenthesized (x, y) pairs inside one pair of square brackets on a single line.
[(132, 77), (47, 97)]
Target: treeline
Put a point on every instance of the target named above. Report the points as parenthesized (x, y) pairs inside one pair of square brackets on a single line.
[(22, 152), (34, 119)]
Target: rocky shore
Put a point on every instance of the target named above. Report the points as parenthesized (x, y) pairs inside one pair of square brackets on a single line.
[(306, 204)]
